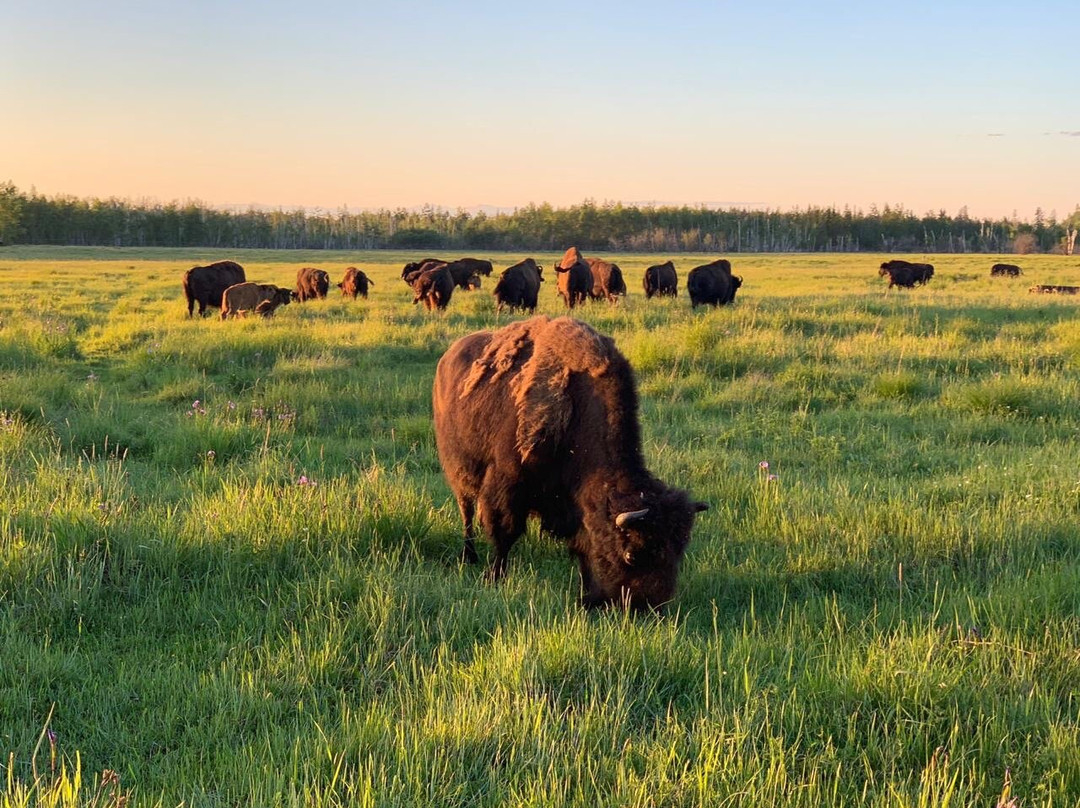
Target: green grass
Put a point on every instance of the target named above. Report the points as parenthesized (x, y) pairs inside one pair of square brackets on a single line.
[(892, 622)]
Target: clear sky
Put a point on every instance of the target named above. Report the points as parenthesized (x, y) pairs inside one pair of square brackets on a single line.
[(330, 103)]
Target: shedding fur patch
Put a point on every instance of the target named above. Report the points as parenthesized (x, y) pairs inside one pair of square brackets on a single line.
[(571, 257), (539, 356)]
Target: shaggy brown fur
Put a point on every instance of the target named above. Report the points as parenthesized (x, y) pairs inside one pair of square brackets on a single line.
[(262, 298), (541, 417), (311, 283), (206, 284), (355, 283), (661, 280), (434, 286), (607, 280), (712, 284), (1008, 270), (573, 277), (519, 286), (905, 273)]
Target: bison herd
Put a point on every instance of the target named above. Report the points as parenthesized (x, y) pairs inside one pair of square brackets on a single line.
[(577, 279), (224, 285)]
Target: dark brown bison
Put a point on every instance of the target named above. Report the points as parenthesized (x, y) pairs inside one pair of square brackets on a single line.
[(311, 283), (905, 273), (1044, 289), (519, 286), (475, 265), (1006, 270), (464, 273), (712, 284), (434, 286), (206, 284), (355, 283), (662, 280), (412, 267), (541, 417), (607, 280), (261, 298), (574, 278)]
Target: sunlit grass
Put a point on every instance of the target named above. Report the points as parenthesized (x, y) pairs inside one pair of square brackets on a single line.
[(256, 598)]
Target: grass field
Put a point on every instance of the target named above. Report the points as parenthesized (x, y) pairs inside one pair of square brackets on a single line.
[(228, 559)]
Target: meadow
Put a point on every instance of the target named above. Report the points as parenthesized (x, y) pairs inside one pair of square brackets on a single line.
[(229, 562)]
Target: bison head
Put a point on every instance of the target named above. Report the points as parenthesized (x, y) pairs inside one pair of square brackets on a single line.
[(633, 559)]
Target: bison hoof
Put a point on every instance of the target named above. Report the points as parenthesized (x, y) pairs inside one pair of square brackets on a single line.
[(469, 555)]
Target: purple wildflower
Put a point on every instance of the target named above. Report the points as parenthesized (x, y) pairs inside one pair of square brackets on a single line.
[(763, 465)]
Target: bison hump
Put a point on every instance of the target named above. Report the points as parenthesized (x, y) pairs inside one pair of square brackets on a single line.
[(535, 359)]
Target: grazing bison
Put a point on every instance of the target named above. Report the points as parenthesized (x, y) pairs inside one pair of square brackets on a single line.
[(712, 284), (541, 417), (662, 280), (206, 284), (607, 280), (475, 265), (464, 273), (519, 286), (574, 278), (355, 283), (262, 298), (905, 273), (1044, 289), (1007, 270), (311, 283), (434, 287), (413, 266)]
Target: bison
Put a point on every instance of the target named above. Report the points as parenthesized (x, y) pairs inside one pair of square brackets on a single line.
[(433, 286), (519, 286), (905, 273), (413, 267), (355, 283), (1044, 289), (661, 280), (1006, 270), (311, 283), (712, 284), (574, 278), (262, 298), (475, 265), (206, 284), (541, 417), (607, 280)]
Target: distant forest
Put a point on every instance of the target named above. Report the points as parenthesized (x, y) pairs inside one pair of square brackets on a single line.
[(30, 218)]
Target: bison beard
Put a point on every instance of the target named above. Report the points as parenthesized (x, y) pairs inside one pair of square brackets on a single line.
[(557, 407)]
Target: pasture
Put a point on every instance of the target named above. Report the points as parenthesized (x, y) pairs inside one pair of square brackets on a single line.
[(229, 562)]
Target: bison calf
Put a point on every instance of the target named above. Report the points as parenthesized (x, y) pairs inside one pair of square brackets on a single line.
[(661, 280), (311, 283), (262, 298), (355, 283)]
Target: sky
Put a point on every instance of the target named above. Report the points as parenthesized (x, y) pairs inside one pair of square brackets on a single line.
[(330, 104)]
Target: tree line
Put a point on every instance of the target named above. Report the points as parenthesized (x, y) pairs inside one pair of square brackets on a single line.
[(32, 218)]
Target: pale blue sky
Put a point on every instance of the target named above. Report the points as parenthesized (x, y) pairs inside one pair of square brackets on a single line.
[(331, 103)]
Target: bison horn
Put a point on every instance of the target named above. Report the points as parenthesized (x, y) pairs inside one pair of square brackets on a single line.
[(701, 506), (626, 517)]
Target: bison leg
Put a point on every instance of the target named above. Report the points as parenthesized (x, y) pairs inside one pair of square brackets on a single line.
[(503, 519), (467, 507)]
